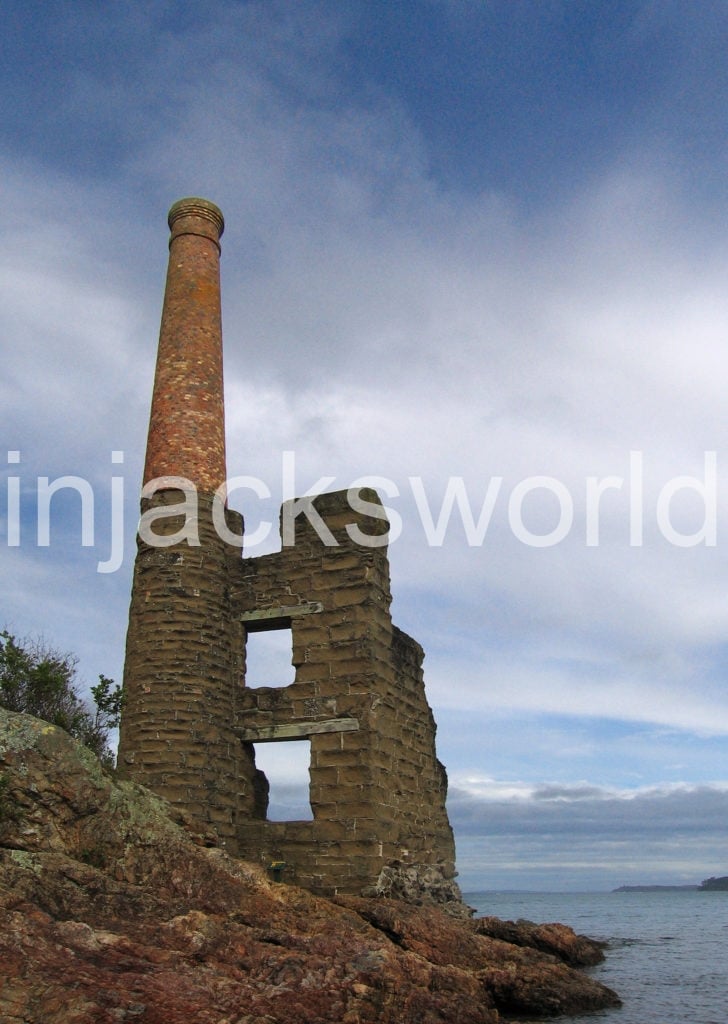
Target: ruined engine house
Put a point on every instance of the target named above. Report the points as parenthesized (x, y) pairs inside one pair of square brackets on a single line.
[(189, 725)]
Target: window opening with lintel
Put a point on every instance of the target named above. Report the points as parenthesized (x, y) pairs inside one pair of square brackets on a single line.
[(286, 766), (269, 658)]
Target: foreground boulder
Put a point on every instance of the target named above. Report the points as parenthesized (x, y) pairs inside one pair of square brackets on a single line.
[(111, 910)]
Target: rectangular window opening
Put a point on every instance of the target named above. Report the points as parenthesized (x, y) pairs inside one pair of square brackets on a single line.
[(286, 766), (269, 658)]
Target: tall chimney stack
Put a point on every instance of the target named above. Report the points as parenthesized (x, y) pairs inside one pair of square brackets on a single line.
[(187, 422), (183, 648)]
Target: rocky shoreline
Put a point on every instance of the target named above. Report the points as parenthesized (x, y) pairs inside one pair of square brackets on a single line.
[(113, 910)]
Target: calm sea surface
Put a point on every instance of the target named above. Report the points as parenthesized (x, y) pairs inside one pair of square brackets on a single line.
[(668, 951)]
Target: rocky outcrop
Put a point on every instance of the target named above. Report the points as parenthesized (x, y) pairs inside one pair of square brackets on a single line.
[(562, 942), (112, 909)]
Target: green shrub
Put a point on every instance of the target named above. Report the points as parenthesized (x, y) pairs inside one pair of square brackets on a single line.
[(37, 680)]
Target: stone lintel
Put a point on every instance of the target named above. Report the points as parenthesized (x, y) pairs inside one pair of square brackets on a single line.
[(260, 619), (297, 730)]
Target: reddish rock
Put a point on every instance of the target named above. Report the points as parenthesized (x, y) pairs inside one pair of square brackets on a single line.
[(563, 942), (517, 973), (112, 911)]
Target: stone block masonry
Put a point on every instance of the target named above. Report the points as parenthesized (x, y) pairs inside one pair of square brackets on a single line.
[(189, 722), (377, 789), (180, 678)]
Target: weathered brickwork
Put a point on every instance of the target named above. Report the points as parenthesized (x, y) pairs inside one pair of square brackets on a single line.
[(187, 422), (189, 723)]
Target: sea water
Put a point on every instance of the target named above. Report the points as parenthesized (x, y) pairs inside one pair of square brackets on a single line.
[(667, 955)]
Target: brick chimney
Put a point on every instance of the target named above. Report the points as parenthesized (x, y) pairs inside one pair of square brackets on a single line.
[(184, 651), (187, 422)]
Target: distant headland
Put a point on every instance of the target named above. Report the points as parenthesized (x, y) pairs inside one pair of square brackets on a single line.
[(707, 885), (715, 884)]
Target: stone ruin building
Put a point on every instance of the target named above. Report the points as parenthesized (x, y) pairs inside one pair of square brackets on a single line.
[(189, 723)]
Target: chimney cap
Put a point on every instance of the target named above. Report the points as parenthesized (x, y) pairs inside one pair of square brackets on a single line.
[(195, 207)]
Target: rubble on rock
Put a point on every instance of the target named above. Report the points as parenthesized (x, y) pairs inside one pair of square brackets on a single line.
[(112, 910)]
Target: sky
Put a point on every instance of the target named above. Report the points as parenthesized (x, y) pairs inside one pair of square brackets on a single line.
[(475, 252)]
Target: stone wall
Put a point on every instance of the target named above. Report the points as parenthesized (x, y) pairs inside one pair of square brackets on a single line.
[(182, 666), (377, 789)]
